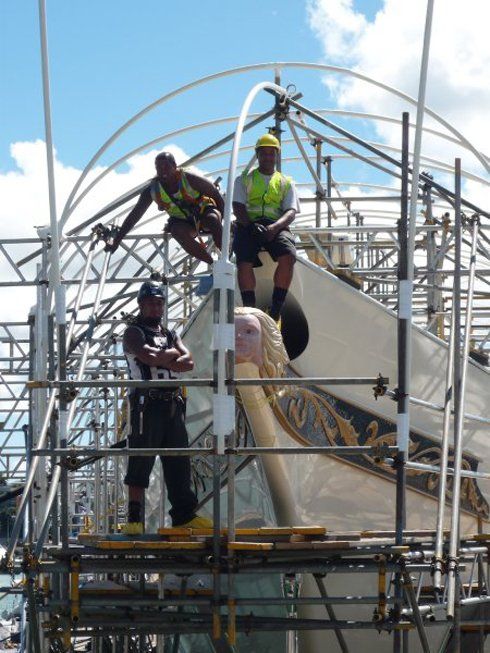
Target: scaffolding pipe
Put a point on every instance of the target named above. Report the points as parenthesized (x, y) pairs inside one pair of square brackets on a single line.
[(402, 419), (444, 459), (449, 470), (30, 478), (66, 417), (55, 276), (458, 434), (406, 286), (81, 288), (318, 205)]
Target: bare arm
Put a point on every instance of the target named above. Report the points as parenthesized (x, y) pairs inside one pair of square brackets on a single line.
[(133, 217), (184, 362), (134, 343), (240, 210), (205, 187), (281, 223)]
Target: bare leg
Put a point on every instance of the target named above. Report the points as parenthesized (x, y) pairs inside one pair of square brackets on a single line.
[(284, 271), (246, 276), (282, 280), (185, 235), (212, 222)]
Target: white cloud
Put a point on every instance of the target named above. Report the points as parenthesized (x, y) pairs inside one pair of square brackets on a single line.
[(24, 192), (388, 48), (25, 205)]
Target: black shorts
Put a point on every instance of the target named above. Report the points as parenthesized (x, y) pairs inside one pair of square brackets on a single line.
[(191, 221), (246, 245)]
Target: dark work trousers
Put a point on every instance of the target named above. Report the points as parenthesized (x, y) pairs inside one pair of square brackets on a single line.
[(163, 426)]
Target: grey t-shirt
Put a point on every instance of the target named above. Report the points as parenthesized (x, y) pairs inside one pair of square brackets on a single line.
[(290, 200)]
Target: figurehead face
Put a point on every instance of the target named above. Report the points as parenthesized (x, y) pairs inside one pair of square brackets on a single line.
[(165, 166), (248, 340), (259, 341)]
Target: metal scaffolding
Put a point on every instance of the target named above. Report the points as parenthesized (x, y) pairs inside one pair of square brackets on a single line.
[(63, 410)]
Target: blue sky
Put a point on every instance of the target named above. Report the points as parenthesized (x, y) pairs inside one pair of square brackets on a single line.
[(110, 58)]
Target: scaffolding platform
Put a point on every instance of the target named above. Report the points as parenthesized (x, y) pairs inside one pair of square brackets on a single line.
[(163, 583)]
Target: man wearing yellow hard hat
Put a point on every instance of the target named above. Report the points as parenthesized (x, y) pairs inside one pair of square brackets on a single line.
[(265, 203)]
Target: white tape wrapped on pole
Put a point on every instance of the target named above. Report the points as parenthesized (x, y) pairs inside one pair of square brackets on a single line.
[(223, 275), (60, 304), (223, 418), (405, 294), (403, 431)]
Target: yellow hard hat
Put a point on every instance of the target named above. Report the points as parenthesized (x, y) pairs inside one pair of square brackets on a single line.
[(268, 140)]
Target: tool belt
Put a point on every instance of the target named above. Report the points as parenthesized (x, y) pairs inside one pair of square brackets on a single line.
[(155, 394), (160, 394)]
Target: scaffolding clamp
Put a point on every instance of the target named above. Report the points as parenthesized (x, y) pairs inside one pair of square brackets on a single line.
[(380, 388), (68, 393), (105, 234), (71, 462), (30, 562), (381, 451)]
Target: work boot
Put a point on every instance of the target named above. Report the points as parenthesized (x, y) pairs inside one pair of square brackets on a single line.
[(132, 528), (197, 522)]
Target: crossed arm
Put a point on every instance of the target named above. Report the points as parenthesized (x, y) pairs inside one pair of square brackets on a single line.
[(177, 358)]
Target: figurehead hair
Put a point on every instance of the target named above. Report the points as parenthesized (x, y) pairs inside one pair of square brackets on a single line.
[(273, 351), (167, 156)]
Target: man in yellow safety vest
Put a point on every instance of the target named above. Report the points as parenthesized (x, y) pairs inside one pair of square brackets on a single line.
[(265, 203), (194, 205)]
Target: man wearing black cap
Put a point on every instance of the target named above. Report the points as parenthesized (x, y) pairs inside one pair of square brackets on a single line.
[(157, 414), (194, 205)]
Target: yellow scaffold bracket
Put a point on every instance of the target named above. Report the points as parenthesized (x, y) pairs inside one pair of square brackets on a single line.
[(380, 611), (33, 385), (216, 623), (75, 589), (231, 633)]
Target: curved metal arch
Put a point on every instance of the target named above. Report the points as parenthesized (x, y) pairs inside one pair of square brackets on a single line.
[(253, 67), (140, 148), (228, 119)]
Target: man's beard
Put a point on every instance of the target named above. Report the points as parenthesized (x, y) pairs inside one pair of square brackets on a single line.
[(151, 321)]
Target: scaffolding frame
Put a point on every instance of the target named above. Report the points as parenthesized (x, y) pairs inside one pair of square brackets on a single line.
[(85, 405)]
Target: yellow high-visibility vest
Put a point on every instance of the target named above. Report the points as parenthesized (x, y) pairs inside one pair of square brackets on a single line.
[(185, 197), (264, 199)]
